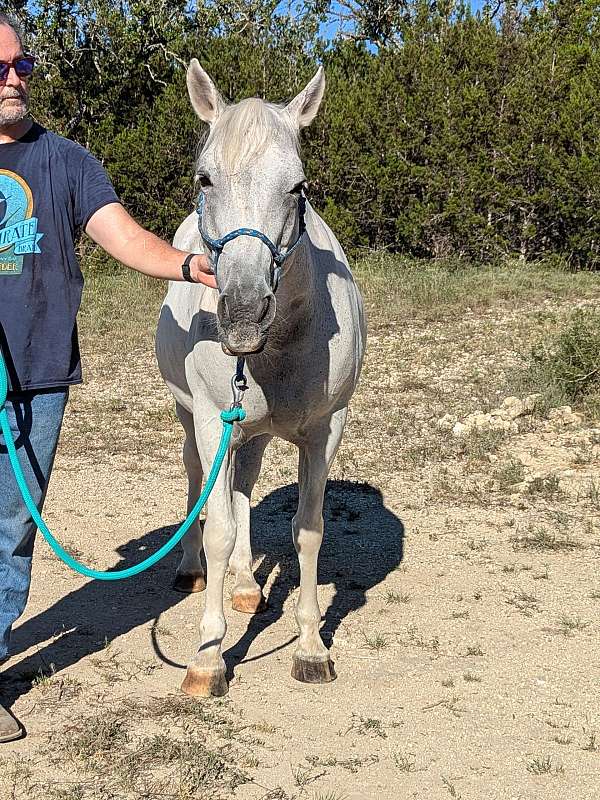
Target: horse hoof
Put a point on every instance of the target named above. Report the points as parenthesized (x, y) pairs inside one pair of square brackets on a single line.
[(205, 683), (313, 670), (248, 602), (189, 582)]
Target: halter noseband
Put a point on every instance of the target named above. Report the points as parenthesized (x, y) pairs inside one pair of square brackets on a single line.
[(216, 245)]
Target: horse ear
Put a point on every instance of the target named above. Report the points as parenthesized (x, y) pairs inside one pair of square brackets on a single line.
[(206, 100), (303, 108)]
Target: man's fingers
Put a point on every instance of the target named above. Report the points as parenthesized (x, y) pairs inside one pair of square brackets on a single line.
[(207, 280), (202, 263), (201, 271)]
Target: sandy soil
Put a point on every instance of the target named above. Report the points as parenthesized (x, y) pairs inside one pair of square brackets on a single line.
[(458, 583)]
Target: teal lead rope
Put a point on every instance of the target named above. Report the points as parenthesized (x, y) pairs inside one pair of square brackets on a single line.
[(236, 414)]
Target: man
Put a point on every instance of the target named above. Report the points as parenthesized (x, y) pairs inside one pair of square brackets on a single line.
[(50, 189)]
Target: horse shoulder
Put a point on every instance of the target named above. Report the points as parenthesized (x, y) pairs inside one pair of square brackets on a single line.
[(346, 299)]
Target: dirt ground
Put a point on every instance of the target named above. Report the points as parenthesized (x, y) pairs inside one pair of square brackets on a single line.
[(459, 587)]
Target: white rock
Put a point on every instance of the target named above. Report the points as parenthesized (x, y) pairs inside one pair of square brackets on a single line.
[(531, 402), (513, 407), (446, 423), (564, 416), (459, 429)]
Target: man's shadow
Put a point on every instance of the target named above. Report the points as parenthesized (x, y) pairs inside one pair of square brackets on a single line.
[(85, 620), (363, 543)]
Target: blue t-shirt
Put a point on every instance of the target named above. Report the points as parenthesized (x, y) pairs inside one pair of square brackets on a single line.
[(49, 189)]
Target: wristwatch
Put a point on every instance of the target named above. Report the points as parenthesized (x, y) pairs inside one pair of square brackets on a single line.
[(185, 268)]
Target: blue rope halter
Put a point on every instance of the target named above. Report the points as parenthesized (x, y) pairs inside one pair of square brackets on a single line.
[(216, 245)]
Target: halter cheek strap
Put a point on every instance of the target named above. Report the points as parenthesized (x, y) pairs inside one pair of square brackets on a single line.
[(216, 245)]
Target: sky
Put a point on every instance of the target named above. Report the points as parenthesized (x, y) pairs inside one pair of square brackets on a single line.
[(330, 29)]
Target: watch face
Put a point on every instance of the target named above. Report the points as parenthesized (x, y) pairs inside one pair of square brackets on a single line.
[(185, 269)]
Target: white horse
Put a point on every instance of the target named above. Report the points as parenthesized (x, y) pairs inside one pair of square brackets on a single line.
[(303, 338)]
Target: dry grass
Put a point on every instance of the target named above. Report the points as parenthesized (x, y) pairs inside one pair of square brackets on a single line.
[(398, 286)]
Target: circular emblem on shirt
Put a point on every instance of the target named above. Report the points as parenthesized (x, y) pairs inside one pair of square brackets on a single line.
[(18, 227)]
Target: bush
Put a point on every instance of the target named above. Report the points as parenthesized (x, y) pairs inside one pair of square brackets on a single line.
[(567, 368)]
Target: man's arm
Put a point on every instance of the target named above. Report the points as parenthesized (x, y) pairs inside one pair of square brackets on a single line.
[(120, 235)]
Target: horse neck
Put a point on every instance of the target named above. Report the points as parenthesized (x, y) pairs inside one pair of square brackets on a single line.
[(296, 294)]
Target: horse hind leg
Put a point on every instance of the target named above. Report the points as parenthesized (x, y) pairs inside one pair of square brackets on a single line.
[(247, 595), (190, 573), (311, 661)]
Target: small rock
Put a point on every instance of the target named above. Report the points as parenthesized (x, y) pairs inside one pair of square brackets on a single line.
[(513, 407), (446, 423), (459, 429), (531, 402), (564, 416)]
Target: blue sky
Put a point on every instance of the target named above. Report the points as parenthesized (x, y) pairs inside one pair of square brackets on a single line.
[(330, 29)]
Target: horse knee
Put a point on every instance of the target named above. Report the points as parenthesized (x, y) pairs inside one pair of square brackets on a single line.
[(307, 530)]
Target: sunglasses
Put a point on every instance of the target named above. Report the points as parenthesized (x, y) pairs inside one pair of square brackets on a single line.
[(23, 67)]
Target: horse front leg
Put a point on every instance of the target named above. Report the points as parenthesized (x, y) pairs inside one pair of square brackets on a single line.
[(247, 595), (311, 661), (190, 573), (206, 673)]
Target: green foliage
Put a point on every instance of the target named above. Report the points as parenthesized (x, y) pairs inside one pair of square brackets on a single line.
[(462, 135), (567, 367)]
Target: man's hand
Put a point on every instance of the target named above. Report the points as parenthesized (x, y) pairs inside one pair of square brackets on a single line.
[(201, 272), (120, 235)]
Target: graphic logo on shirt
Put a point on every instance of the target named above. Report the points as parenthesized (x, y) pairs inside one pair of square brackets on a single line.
[(18, 228)]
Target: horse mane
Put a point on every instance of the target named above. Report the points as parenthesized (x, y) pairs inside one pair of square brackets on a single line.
[(245, 130)]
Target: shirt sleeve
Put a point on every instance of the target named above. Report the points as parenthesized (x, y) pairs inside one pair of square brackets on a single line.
[(92, 189)]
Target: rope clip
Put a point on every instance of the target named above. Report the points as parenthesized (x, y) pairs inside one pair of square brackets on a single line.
[(239, 384)]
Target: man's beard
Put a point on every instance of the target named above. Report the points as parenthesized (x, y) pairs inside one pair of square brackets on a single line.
[(11, 111)]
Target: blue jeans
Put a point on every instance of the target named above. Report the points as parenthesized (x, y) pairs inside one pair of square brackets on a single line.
[(35, 420)]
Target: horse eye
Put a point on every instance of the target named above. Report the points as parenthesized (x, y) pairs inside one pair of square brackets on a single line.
[(203, 180), (299, 187)]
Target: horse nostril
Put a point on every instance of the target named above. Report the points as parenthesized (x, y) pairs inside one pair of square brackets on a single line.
[(264, 307), (223, 308)]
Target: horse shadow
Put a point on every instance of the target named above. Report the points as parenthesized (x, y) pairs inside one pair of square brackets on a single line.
[(363, 543)]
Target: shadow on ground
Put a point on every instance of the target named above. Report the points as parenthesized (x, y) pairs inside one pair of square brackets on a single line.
[(362, 545)]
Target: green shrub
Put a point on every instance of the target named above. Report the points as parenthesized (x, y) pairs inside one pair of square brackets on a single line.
[(566, 369)]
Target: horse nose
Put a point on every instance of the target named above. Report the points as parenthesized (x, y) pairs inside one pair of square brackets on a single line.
[(245, 324), (260, 313)]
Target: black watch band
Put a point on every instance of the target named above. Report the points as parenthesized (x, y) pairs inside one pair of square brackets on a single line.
[(185, 269)]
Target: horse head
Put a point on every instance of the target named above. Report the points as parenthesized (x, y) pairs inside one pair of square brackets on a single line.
[(251, 203)]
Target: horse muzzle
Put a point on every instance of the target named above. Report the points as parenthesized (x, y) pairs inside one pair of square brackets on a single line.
[(244, 329), (243, 339)]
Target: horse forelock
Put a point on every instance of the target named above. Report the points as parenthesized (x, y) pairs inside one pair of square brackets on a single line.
[(245, 130)]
